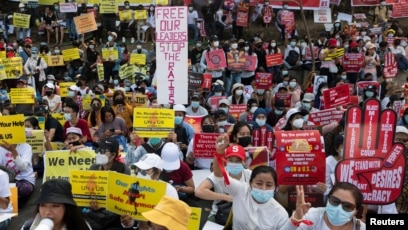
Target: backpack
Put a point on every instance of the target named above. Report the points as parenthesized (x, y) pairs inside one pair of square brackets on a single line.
[(292, 57)]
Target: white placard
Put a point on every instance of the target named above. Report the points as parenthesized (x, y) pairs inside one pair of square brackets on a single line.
[(345, 17), (69, 7), (322, 15)]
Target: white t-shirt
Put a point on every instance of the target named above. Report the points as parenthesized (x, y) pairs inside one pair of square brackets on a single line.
[(191, 16), (55, 101), (171, 191), (331, 163), (22, 164), (5, 191)]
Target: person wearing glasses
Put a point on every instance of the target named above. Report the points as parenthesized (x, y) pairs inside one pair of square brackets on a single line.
[(344, 201)]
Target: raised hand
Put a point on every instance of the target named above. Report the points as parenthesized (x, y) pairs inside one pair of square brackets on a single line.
[(301, 205)]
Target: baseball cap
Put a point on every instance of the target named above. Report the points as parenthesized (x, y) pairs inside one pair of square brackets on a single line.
[(224, 101), (332, 43), (110, 144), (170, 156), (293, 111), (74, 130), (235, 150), (148, 161), (308, 97), (50, 85), (179, 107), (401, 129), (213, 38), (39, 110)]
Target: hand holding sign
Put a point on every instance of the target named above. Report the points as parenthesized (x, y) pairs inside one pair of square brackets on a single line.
[(372, 161)]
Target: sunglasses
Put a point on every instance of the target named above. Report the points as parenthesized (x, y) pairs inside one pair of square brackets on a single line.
[(348, 207)]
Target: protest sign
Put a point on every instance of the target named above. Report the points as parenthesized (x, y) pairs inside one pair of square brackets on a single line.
[(352, 62), (3, 74), (337, 53), (22, 95), (87, 99), (58, 163), (85, 23), (273, 59), (132, 195), (236, 109), (172, 55), (318, 79), (139, 101), (21, 20), (214, 101), (308, 52), (57, 145), (101, 73), (54, 60), (360, 16), (390, 65), (322, 15), (313, 197), (263, 137), (372, 160), (108, 6), (204, 145), (250, 63), (339, 95), (197, 81), (216, 59), (69, 7), (300, 158), (13, 67), (195, 122), (127, 71), (125, 15), (59, 117), (325, 117), (257, 156), (307, 4), (64, 88), (12, 129), (364, 2), (162, 2), (400, 10), (362, 85), (110, 53), (71, 54), (288, 19), (242, 18), (36, 138), (195, 219), (89, 185), (286, 97), (235, 60), (138, 59), (263, 80), (140, 14), (150, 122)]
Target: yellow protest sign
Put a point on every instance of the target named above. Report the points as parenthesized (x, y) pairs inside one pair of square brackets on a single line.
[(64, 88), (125, 15), (22, 95), (149, 122), (143, 2), (108, 6), (162, 2), (14, 197), (127, 71), (46, 2), (89, 185), (58, 163), (13, 66), (21, 20), (3, 55), (54, 60), (138, 59), (86, 101), (35, 138), (195, 219), (140, 14), (41, 122), (59, 117), (110, 53), (71, 54), (85, 23), (139, 101), (12, 129), (131, 195), (3, 74), (101, 72)]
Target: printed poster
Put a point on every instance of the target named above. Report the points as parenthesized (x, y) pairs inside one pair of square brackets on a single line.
[(22, 95), (138, 59), (12, 129), (322, 16), (400, 10), (274, 59), (110, 54), (216, 59), (108, 6), (263, 80), (69, 7), (149, 122), (70, 54), (85, 23), (250, 63), (89, 185), (236, 60), (326, 116), (64, 88), (352, 62), (204, 145), (195, 122), (242, 18), (87, 99), (21, 20), (13, 67), (36, 139), (339, 95), (199, 81)]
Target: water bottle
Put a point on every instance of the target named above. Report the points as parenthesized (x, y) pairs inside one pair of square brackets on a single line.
[(45, 224), (86, 211)]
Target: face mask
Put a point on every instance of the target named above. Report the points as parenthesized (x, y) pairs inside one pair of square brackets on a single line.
[(253, 109), (155, 141), (56, 7), (71, 94), (91, 46), (344, 77), (151, 8), (190, 8), (244, 141), (127, 88), (216, 43), (337, 36), (363, 33), (262, 196), (239, 92), (260, 91), (292, 84), (390, 35), (218, 94), (234, 168), (369, 94), (224, 109), (284, 72), (221, 123), (273, 44), (101, 159), (56, 51), (246, 48), (139, 47), (22, 9), (307, 106), (198, 44), (336, 215), (145, 176), (195, 104), (337, 25), (110, 38), (260, 122), (293, 44), (234, 46), (346, 46), (178, 120), (14, 44), (48, 93), (67, 116), (278, 112), (209, 2), (406, 118), (127, 7), (115, 82), (285, 7), (119, 101), (298, 123), (28, 129), (46, 108), (208, 128), (34, 55), (382, 3)]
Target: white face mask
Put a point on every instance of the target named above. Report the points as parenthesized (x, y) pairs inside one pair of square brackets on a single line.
[(127, 7), (273, 44), (293, 44), (138, 47), (253, 109), (198, 44), (218, 94), (363, 33), (246, 48), (382, 3), (146, 176), (56, 51), (101, 159), (221, 123), (190, 8), (234, 46), (216, 43), (298, 123), (91, 46), (239, 92)]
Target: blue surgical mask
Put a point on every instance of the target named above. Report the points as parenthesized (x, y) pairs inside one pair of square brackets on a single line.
[(369, 94), (234, 168), (154, 140), (344, 77), (293, 44), (306, 105), (127, 88), (71, 94), (225, 109), (260, 122), (262, 196), (260, 91), (178, 120), (278, 112), (195, 104), (116, 82), (67, 116), (292, 84), (337, 216), (110, 38)]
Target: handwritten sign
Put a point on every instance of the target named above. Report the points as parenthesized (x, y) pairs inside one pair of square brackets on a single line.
[(204, 145), (89, 185), (21, 20), (22, 95), (36, 138), (71, 54), (325, 117), (148, 122), (336, 96), (85, 23), (12, 129)]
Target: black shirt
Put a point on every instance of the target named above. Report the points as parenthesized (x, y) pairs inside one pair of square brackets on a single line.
[(52, 123)]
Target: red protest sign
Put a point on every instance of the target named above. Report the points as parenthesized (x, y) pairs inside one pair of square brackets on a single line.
[(263, 80), (195, 122), (236, 110), (242, 18), (204, 145), (236, 60), (273, 59), (299, 157), (263, 137), (288, 19), (325, 117), (257, 156), (214, 100), (390, 66), (199, 81), (286, 97), (364, 2), (314, 198), (250, 63), (400, 10), (372, 161), (308, 53), (216, 59), (339, 95), (353, 62), (361, 85)]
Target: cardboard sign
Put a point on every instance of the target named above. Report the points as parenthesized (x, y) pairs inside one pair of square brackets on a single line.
[(71, 54), (242, 18), (21, 20), (214, 100), (372, 161), (22, 95), (339, 95), (58, 163), (85, 23), (308, 52), (108, 6), (198, 81), (236, 60), (390, 65), (286, 97), (322, 16), (204, 145), (258, 156), (36, 139), (273, 59), (263, 137), (195, 122), (263, 80), (64, 88), (138, 59), (216, 59), (132, 195), (69, 7), (325, 117), (89, 185), (110, 54), (12, 129), (236, 110), (13, 67), (300, 158), (149, 122), (250, 63), (352, 62)]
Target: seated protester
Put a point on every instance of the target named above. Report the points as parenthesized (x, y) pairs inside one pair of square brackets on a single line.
[(293, 120), (71, 110), (26, 109), (74, 95), (292, 56), (217, 91), (52, 128), (51, 80), (54, 101), (295, 90), (94, 118), (283, 84), (195, 109), (122, 108), (18, 159), (278, 111), (5, 204), (307, 103), (112, 126), (210, 190), (252, 106), (263, 97), (83, 88), (177, 172), (237, 94), (98, 89), (369, 92), (150, 145), (222, 124), (259, 120), (183, 130), (224, 104), (74, 140)]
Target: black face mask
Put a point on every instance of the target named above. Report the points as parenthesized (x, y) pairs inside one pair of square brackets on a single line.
[(208, 128), (75, 143), (79, 84), (244, 141), (96, 107), (119, 101), (48, 93), (98, 92)]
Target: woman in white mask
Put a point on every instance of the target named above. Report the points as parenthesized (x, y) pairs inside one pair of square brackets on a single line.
[(237, 94), (294, 119)]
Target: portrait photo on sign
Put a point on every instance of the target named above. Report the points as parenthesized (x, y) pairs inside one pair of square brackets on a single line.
[(318, 79)]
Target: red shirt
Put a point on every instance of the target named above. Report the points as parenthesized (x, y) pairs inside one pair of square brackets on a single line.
[(83, 125), (180, 175)]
